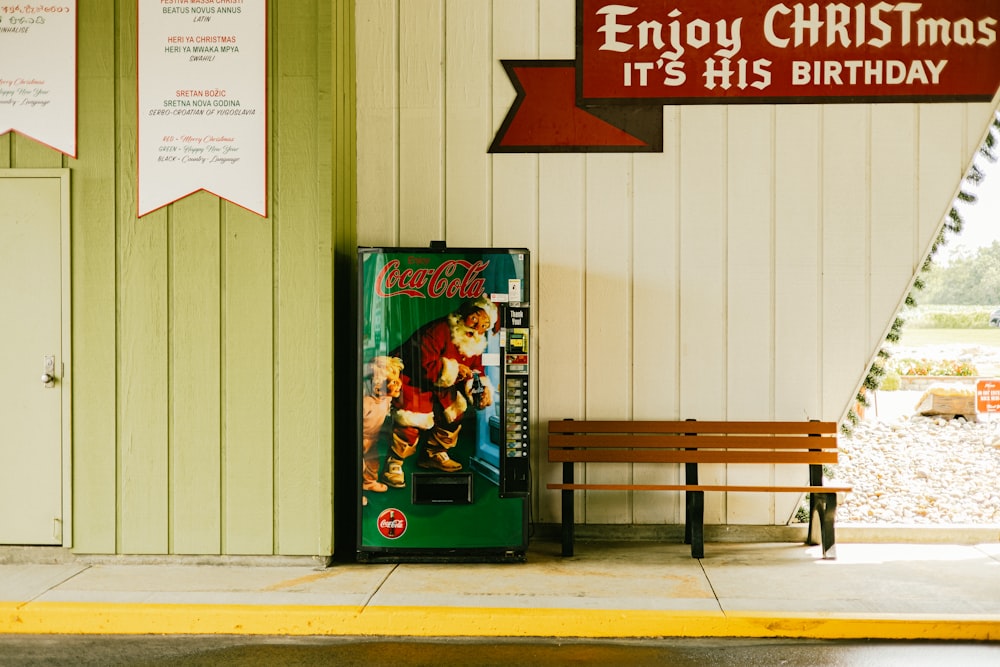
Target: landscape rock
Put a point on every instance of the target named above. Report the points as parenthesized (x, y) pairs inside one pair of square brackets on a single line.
[(921, 470)]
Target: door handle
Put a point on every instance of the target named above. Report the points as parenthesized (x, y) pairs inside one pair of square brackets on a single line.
[(49, 372)]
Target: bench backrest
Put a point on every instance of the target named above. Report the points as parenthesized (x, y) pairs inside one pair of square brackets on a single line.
[(573, 441)]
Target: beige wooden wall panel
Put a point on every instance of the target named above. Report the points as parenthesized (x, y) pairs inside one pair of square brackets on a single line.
[(703, 250), (797, 275), (656, 307), (892, 212), (607, 319), (749, 266), (846, 246), (304, 249), (202, 333), (377, 24), (515, 30), (749, 271), (468, 93), (421, 127), (558, 302)]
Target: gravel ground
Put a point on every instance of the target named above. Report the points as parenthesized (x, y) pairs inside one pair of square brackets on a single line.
[(909, 469)]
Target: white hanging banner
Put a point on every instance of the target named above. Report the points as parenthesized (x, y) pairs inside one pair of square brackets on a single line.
[(202, 101), (38, 72)]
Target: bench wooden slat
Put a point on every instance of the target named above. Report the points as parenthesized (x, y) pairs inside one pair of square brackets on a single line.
[(682, 456), (566, 440), (782, 427), (697, 487)]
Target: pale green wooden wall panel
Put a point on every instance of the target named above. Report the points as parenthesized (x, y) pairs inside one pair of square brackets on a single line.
[(142, 331), (29, 154), (195, 375), (93, 223), (198, 326), (303, 263), (248, 391), (344, 185)]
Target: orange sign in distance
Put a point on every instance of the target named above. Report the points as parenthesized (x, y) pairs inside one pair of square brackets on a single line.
[(988, 396)]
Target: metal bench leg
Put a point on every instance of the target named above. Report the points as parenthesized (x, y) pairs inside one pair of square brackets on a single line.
[(815, 479), (568, 519), (695, 525), (567, 523), (690, 477), (825, 507), (688, 516), (811, 532)]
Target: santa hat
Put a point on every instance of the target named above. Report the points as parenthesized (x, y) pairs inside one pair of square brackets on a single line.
[(483, 303)]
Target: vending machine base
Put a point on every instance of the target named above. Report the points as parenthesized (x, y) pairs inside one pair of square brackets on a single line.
[(443, 556)]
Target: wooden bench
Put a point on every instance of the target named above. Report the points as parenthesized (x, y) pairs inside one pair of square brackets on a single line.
[(691, 443)]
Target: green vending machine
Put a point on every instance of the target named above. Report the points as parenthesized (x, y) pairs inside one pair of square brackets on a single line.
[(443, 432)]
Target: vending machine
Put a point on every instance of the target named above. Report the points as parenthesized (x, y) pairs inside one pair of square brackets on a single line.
[(443, 371)]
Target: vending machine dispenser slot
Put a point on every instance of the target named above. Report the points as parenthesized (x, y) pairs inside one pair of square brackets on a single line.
[(515, 480), (442, 489)]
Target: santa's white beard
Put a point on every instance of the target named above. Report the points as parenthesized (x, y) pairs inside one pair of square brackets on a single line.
[(469, 342)]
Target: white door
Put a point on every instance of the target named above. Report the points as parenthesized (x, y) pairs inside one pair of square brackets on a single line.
[(33, 337)]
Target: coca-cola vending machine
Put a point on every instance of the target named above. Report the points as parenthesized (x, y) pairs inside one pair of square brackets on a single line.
[(444, 366)]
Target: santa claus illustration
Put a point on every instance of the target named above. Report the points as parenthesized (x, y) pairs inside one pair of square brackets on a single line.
[(443, 376)]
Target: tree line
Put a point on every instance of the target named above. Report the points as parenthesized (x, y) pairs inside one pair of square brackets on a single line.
[(966, 280)]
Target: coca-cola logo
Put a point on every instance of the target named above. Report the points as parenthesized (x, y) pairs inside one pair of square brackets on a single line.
[(391, 523), (452, 278)]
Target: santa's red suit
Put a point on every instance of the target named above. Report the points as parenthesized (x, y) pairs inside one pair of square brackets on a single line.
[(434, 396)]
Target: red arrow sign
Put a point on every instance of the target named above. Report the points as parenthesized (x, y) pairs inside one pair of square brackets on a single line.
[(546, 118)]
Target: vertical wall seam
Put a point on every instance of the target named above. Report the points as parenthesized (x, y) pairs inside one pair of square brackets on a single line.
[(869, 254), (274, 83), (169, 436), (443, 118), (820, 256), (397, 122), (773, 292), (222, 227), (490, 179), (726, 277), (117, 281)]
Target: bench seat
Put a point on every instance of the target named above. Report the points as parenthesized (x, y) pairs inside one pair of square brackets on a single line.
[(813, 444)]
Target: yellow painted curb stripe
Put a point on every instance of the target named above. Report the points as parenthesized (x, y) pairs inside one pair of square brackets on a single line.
[(94, 618)]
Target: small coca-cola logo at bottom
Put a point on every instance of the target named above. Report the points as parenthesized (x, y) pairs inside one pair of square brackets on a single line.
[(391, 523)]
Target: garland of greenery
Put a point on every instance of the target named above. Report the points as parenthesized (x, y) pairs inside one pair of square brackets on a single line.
[(953, 224)]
